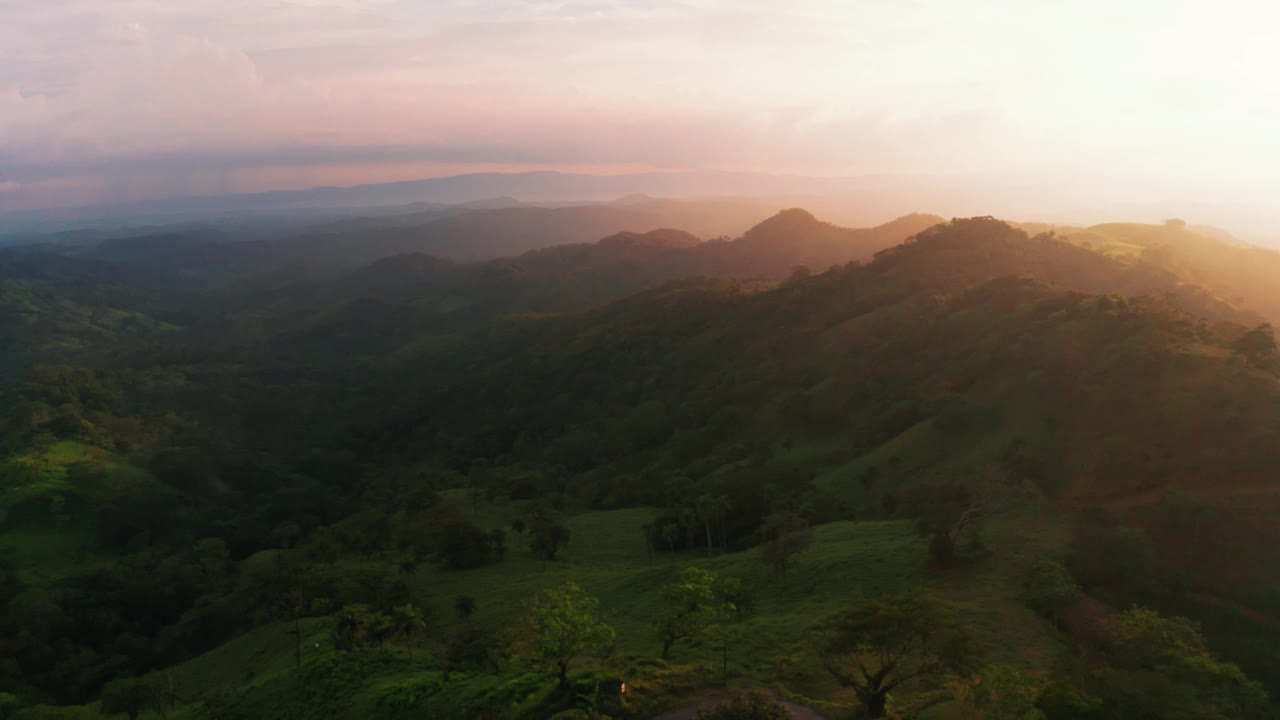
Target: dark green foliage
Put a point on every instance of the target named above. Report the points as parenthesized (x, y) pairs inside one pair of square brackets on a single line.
[(1062, 700), (458, 543), (1050, 589), (695, 602), (52, 712), (9, 705), (1003, 693), (877, 645), (1157, 667), (563, 624), (409, 623), (473, 647), (546, 540), (358, 626)]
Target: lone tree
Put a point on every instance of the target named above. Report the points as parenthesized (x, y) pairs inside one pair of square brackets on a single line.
[(563, 624), (547, 540), (948, 513), (787, 535), (695, 602), (944, 513), (877, 645)]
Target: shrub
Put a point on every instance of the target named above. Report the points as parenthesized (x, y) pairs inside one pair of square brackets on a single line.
[(1049, 588)]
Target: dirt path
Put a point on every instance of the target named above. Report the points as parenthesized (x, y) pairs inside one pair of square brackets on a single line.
[(690, 712)]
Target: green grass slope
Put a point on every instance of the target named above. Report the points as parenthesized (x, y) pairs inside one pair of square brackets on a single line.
[(772, 647)]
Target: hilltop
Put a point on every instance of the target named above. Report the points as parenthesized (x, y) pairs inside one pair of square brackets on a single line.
[(1240, 273), (358, 438)]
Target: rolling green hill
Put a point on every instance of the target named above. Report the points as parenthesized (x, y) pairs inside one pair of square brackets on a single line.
[(38, 322), (935, 420), (1239, 273)]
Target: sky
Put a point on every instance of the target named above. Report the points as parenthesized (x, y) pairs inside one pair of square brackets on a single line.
[(110, 100)]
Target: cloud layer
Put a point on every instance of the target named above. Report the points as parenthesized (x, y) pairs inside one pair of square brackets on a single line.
[(122, 99)]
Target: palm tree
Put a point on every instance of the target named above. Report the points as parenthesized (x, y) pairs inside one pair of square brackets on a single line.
[(350, 625), (409, 624)]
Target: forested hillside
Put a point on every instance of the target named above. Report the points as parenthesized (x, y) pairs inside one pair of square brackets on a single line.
[(1242, 274), (928, 469)]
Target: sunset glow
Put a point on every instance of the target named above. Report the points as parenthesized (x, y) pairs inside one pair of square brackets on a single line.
[(106, 99)]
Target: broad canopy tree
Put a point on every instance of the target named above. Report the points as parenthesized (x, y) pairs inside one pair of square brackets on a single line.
[(695, 602), (876, 646), (563, 624), (1162, 667)]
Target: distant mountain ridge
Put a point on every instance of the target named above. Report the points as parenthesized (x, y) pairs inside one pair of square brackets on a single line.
[(426, 293), (199, 257)]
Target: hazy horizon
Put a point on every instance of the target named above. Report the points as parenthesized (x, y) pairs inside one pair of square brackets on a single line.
[(1109, 105)]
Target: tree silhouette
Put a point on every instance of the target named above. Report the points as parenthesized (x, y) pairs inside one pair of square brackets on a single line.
[(877, 645)]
